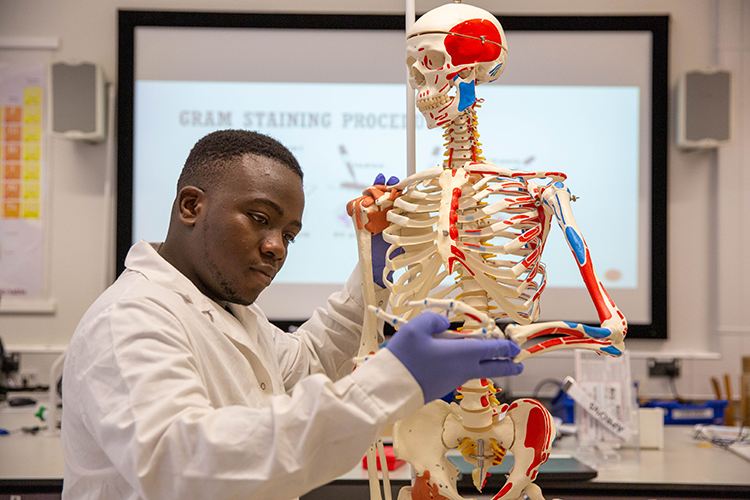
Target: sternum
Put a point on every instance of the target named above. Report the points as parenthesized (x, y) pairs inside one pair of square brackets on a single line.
[(462, 148)]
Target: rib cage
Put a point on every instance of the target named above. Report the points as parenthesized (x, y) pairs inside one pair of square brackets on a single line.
[(500, 229)]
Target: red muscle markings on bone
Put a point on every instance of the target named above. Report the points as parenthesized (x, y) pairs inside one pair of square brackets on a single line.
[(552, 331), (537, 435), (531, 233), (473, 317), (556, 174), (472, 50), (452, 215), (485, 402), (423, 490), (594, 288), (502, 492), (460, 257), (528, 261), (451, 76)]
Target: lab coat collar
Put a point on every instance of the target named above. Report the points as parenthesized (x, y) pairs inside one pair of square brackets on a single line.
[(144, 258)]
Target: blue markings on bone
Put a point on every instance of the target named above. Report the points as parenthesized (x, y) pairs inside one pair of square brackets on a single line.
[(576, 244), (571, 325), (612, 350), (496, 69), (559, 184), (467, 93), (469, 218), (596, 332), (561, 215)]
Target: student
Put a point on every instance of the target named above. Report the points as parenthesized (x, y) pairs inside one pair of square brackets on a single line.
[(177, 386)]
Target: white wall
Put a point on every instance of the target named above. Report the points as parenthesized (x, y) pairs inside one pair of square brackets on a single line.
[(88, 31)]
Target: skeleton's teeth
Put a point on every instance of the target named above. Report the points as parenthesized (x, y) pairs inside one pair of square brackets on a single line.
[(432, 102)]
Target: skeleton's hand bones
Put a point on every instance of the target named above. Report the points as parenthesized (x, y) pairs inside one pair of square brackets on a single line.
[(370, 209)]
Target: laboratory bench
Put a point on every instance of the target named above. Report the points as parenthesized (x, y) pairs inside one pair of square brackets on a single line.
[(31, 468)]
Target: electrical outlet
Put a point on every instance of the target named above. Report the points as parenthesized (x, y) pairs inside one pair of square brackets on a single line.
[(664, 368)]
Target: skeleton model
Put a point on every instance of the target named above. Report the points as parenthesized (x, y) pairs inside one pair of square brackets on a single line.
[(486, 227)]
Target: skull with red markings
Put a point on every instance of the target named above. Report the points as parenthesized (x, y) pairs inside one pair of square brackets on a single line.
[(450, 50)]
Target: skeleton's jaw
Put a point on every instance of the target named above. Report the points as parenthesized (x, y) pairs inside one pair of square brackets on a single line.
[(433, 103), (441, 108), (438, 110)]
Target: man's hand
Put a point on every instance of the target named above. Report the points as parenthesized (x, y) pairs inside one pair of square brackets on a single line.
[(441, 365)]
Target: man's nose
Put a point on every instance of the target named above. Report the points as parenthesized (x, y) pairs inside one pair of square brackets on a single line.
[(273, 245)]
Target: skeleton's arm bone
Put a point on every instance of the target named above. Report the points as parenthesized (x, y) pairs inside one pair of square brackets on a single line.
[(369, 339), (578, 336), (557, 197)]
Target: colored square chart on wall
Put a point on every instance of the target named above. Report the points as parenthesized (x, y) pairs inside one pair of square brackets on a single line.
[(11, 209), (32, 114), (30, 210), (31, 171), (23, 188), (32, 95), (32, 133), (12, 171), (12, 133), (11, 190), (32, 152), (11, 152), (12, 114)]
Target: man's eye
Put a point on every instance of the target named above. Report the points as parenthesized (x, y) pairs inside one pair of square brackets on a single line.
[(289, 238), (260, 219)]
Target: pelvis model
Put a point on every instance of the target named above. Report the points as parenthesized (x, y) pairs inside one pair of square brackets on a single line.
[(485, 226)]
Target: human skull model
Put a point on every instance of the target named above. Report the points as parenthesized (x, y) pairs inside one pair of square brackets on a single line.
[(453, 47)]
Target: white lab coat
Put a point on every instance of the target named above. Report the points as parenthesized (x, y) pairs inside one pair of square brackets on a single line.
[(166, 395)]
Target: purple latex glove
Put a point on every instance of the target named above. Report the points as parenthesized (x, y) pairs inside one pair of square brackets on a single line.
[(441, 365), (378, 246)]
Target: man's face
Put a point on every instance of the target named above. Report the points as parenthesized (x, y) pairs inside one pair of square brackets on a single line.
[(243, 233)]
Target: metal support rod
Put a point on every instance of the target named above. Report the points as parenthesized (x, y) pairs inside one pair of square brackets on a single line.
[(411, 136)]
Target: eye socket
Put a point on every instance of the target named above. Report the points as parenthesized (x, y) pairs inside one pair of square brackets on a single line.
[(416, 77), (432, 59)]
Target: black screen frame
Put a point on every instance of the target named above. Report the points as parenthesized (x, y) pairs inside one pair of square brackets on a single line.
[(658, 26)]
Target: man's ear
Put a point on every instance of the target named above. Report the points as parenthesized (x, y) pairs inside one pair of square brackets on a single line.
[(190, 201)]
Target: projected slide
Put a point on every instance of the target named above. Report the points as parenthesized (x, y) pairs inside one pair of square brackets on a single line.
[(345, 134)]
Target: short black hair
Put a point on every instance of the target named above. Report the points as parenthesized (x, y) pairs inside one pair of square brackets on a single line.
[(205, 165)]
